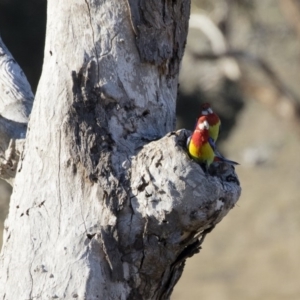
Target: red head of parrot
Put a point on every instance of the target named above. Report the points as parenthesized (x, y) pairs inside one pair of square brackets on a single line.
[(212, 119)]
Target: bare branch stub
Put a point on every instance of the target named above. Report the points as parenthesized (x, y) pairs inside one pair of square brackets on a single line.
[(174, 205)]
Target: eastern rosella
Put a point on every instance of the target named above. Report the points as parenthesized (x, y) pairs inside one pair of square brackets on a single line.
[(198, 144), (212, 119), (201, 146)]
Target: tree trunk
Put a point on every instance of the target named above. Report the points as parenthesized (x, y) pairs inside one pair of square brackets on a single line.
[(106, 204)]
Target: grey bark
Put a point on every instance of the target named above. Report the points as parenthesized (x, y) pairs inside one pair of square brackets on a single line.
[(16, 100), (107, 203)]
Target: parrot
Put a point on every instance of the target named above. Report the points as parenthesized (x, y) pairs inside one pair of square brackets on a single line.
[(214, 127), (212, 119), (198, 144), (201, 146)]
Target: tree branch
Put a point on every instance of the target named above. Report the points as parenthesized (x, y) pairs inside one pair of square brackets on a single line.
[(174, 204), (16, 100)]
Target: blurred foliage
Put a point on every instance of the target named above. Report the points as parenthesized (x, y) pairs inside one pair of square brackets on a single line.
[(244, 258)]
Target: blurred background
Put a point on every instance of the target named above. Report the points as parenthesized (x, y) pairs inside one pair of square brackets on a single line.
[(242, 56)]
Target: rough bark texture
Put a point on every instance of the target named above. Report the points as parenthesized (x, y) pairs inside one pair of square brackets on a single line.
[(16, 100), (106, 205), (159, 37)]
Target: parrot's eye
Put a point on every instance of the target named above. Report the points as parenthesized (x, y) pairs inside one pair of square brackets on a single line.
[(203, 125)]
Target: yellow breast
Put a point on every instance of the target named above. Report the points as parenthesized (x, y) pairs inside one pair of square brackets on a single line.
[(214, 131), (203, 154)]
